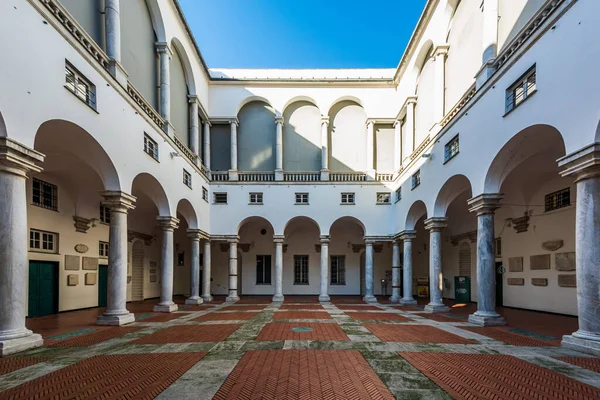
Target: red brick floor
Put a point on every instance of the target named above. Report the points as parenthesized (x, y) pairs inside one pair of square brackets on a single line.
[(406, 308), (301, 299), (346, 300), (189, 334), (490, 376), (439, 317), (415, 334), (283, 331), (358, 307), (11, 364), (593, 364), (142, 376), (58, 324), (513, 339), (163, 317), (200, 307), (102, 334), (245, 307), (303, 374), (301, 315), (255, 300), (301, 307), (377, 316), (227, 316)]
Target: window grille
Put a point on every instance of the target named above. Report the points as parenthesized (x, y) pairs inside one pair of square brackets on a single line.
[(256, 198), (521, 90), (338, 270), (150, 147), (416, 179), (384, 198), (300, 270), (559, 199), (103, 249), (187, 179), (347, 198), (263, 270), (220, 198), (44, 194), (301, 198), (77, 84), (451, 149)]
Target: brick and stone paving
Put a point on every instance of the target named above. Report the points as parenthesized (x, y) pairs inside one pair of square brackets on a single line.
[(300, 349)]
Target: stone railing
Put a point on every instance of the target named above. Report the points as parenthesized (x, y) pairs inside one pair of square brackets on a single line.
[(301, 176), (219, 176), (421, 147), (145, 106), (347, 176), (184, 149), (204, 170), (256, 176), (384, 177), (459, 106)]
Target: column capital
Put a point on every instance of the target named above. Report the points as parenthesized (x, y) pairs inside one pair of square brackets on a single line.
[(370, 123), (369, 241), (279, 119), (233, 239), (195, 234), (436, 223), (324, 239), (118, 201), (19, 159), (163, 47), (410, 100), (583, 164), (234, 122), (397, 122), (324, 120), (207, 123), (167, 223), (407, 236), (193, 99), (441, 50), (278, 238), (485, 203)]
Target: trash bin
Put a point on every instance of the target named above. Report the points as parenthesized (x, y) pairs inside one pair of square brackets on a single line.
[(462, 289)]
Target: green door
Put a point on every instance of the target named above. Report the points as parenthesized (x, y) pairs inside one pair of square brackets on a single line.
[(102, 285), (43, 288)]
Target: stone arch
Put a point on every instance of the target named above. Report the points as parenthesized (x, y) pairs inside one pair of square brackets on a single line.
[(353, 99), (296, 99), (301, 218), (347, 136), (301, 136), (151, 187), (157, 20), (250, 99), (186, 209), (421, 57), (348, 218), (452, 188), (417, 210), (187, 65), (256, 137), (255, 218)]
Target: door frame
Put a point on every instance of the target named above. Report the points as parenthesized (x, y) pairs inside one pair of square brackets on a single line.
[(56, 270), (499, 284)]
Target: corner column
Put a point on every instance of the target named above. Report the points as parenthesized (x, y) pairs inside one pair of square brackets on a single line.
[(233, 172), (206, 160), (485, 205), (408, 145), (395, 273), (440, 82), (194, 126), (489, 42), (16, 161), (206, 273), (434, 226), (233, 271), (112, 28), (397, 145), (324, 149), (369, 297), (279, 149), (278, 239), (407, 237), (323, 294), (194, 299), (164, 54), (168, 225)]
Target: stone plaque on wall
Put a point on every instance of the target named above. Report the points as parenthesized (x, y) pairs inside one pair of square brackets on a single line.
[(71, 263), (538, 262), (90, 278), (515, 281), (515, 264), (565, 261), (539, 281), (72, 280), (152, 270), (567, 280), (152, 278), (90, 263)]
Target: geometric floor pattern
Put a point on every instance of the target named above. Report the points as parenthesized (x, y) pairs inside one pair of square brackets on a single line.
[(344, 349)]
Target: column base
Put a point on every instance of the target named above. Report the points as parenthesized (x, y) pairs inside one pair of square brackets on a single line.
[(395, 299), (408, 302), (324, 298), (278, 298), (324, 174), (115, 320), (232, 299), (194, 301), (166, 308), (436, 308), (278, 175), (17, 345), (582, 341), (233, 175), (492, 319), (371, 174), (207, 298), (369, 299)]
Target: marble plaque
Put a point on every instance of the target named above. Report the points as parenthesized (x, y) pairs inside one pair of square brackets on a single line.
[(539, 262), (152, 270), (516, 281), (90, 278), (72, 263), (72, 280), (515, 264), (539, 281), (567, 280), (90, 263), (565, 261), (152, 278)]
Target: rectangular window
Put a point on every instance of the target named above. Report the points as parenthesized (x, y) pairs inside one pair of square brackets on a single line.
[(347, 198), (187, 179), (43, 241), (338, 270), (416, 179), (498, 247), (301, 198), (103, 249), (204, 194), (150, 147), (520, 91), (77, 84), (104, 214), (263, 270), (220, 198), (300, 270), (398, 194), (557, 200), (384, 198), (44, 194), (256, 198), (451, 149)]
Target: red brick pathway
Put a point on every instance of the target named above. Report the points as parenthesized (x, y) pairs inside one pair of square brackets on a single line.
[(164, 317), (510, 338), (283, 331), (227, 316), (377, 316), (101, 335), (406, 308), (358, 307), (303, 374), (301, 307), (189, 334), (142, 376), (245, 308), (200, 307), (347, 300), (414, 334), (255, 300), (593, 364), (439, 317), (301, 315), (11, 364), (491, 376), (302, 299)]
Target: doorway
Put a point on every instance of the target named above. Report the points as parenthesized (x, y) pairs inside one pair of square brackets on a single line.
[(137, 271), (43, 288), (499, 295), (102, 285)]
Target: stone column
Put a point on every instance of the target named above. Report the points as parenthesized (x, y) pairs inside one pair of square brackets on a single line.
[(116, 312), (168, 225), (408, 145), (233, 171), (584, 165), (369, 297), (395, 273), (489, 41), (485, 205), (206, 273), (194, 126), (112, 29), (16, 161), (397, 145), (434, 226), (408, 237), (164, 54), (278, 239), (324, 149), (279, 149), (370, 150), (233, 271), (206, 160), (440, 82), (323, 294), (194, 299)]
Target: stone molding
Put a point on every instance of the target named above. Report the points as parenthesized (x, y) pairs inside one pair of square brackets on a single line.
[(583, 164), (324, 239), (167, 223), (486, 203), (436, 224), (471, 236), (81, 224), (407, 236), (147, 239), (118, 201), (278, 238), (163, 47), (19, 159), (442, 49), (195, 234)]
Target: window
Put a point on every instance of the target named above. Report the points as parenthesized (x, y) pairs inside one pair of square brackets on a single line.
[(301, 198), (416, 179), (520, 91), (220, 198), (46, 242), (256, 198), (103, 249), (451, 149), (104, 214), (45, 195), (204, 194), (347, 198), (263, 270), (77, 84), (384, 198), (300, 270), (338, 270), (150, 147), (498, 247), (557, 200), (187, 179), (398, 194)]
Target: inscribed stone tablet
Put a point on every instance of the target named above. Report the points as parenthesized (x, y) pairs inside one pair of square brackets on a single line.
[(515, 264), (90, 278), (72, 280), (567, 281), (565, 261), (515, 281), (539, 281), (538, 262), (90, 263)]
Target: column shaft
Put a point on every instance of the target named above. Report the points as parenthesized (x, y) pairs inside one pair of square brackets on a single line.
[(113, 29), (434, 226), (395, 273), (490, 30), (397, 145), (324, 144), (206, 273), (194, 127), (206, 160), (278, 269), (279, 144), (194, 298), (408, 144), (233, 273), (440, 83), (234, 149), (369, 297), (370, 149), (323, 294), (165, 81), (166, 304), (408, 298)]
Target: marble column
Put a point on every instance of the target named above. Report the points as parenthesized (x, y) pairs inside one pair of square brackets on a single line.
[(408, 130), (323, 293), (168, 225), (233, 171), (164, 54), (16, 161), (324, 148), (370, 150), (395, 273), (397, 145), (206, 160), (116, 312), (489, 41), (440, 53), (194, 126), (194, 299), (434, 226), (407, 237), (278, 239), (233, 271), (112, 28), (369, 297), (584, 165), (485, 205), (206, 273), (279, 149)]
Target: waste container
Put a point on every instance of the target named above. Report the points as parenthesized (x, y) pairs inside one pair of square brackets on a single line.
[(462, 289)]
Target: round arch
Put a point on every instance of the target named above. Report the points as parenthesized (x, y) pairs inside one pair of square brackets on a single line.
[(298, 218), (353, 99), (187, 65), (254, 218), (452, 188), (186, 209), (157, 20), (349, 219), (149, 185), (421, 57), (417, 210), (297, 99), (250, 99)]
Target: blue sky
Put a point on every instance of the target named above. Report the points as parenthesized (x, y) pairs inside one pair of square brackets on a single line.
[(302, 33)]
